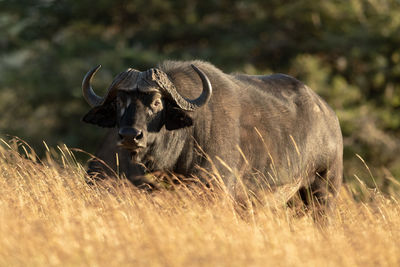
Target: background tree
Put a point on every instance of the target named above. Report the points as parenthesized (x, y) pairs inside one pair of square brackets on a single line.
[(347, 51)]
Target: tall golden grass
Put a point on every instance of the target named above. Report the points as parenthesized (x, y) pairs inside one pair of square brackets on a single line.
[(49, 216)]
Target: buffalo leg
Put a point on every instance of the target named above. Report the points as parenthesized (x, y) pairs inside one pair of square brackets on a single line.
[(321, 193)]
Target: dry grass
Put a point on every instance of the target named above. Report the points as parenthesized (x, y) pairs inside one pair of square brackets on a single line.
[(50, 216)]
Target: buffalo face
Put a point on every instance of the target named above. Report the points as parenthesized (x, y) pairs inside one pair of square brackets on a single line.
[(140, 105), (141, 116), (137, 115)]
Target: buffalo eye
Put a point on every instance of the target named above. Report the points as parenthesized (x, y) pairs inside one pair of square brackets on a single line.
[(157, 104)]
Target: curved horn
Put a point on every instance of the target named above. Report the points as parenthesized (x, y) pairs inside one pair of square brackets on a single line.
[(184, 103), (87, 90), (207, 89)]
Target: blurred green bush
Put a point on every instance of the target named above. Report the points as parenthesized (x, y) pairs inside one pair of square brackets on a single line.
[(347, 51)]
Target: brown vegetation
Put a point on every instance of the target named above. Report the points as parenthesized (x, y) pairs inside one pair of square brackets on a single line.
[(50, 216)]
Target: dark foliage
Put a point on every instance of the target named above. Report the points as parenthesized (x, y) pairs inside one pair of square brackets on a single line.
[(347, 51)]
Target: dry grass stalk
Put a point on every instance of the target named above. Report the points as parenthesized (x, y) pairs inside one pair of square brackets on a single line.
[(49, 216)]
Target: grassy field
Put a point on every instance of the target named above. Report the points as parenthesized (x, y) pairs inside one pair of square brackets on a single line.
[(49, 216)]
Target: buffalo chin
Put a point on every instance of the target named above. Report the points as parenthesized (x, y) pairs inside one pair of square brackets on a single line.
[(135, 155)]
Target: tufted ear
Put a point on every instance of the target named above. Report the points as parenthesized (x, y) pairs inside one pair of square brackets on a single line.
[(103, 116), (177, 118)]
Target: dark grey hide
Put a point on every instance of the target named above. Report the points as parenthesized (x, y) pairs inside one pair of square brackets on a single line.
[(272, 131)]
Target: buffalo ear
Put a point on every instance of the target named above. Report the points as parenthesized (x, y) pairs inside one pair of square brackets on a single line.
[(103, 116), (176, 118)]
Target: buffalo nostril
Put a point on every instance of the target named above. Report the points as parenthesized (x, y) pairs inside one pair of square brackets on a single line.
[(123, 133), (139, 135)]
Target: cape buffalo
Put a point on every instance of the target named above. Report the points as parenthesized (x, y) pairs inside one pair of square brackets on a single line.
[(191, 118)]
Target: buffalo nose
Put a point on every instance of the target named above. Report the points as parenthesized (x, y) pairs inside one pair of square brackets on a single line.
[(130, 133)]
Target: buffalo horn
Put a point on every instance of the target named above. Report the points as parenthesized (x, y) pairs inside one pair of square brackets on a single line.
[(191, 104), (87, 90)]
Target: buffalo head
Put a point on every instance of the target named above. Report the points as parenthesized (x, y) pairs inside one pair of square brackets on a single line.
[(140, 104)]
